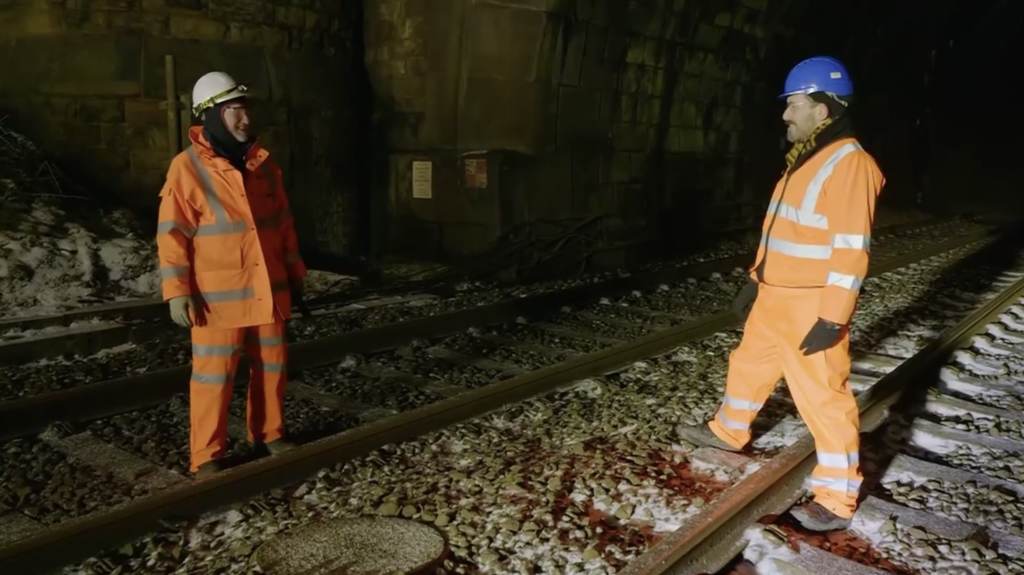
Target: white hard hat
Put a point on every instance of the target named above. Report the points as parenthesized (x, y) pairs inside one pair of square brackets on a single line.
[(214, 88)]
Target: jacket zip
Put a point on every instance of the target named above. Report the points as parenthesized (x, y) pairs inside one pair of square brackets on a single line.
[(759, 266)]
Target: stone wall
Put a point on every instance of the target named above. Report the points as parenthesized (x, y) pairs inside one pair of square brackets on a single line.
[(86, 79), (624, 113)]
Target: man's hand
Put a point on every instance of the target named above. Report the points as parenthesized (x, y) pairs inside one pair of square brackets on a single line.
[(180, 307), (823, 335)]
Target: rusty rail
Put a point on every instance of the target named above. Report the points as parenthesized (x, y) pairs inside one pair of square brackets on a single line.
[(707, 542)]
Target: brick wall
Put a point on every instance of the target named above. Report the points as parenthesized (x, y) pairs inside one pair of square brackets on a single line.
[(633, 112), (85, 78)]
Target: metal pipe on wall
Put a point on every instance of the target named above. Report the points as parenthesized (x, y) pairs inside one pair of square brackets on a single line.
[(173, 120)]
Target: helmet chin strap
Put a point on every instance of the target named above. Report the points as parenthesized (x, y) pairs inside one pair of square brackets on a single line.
[(224, 144)]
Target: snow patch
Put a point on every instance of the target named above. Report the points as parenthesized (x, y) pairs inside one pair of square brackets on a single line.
[(765, 551), (59, 248), (782, 434)]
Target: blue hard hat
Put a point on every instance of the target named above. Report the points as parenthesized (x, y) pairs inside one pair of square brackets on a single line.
[(818, 74)]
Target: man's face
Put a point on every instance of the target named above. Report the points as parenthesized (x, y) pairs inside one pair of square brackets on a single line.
[(235, 116), (802, 116)]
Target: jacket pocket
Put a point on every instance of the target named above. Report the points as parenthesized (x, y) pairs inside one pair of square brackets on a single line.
[(224, 286)]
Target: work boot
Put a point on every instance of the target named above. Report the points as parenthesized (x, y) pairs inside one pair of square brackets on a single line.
[(813, 517), (209, 468), (274, 447), (702, 436)]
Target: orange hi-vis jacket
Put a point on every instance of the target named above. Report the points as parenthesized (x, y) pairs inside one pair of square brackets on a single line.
[(227, 239), (817, 233)]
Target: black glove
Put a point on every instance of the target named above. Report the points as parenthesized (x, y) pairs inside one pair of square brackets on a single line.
[(744, 301), (823, 335)]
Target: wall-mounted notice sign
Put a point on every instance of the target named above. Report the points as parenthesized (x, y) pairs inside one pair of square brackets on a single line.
[(476, 173), (422, 180)]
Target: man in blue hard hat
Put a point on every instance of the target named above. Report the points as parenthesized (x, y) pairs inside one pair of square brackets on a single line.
[(803, 290)]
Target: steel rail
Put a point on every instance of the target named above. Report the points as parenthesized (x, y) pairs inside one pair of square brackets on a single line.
[(145, 319), (136, 308), (137, 324), (31, 415), (21, 417), (707, 542), (83, 537)]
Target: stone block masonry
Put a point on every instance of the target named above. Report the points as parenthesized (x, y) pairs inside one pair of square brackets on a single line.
[(85, 79), (629, 110)]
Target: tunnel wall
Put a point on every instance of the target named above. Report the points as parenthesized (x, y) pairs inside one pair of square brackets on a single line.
[(887, 48), (628, 115), (922, 74), (85, 79)]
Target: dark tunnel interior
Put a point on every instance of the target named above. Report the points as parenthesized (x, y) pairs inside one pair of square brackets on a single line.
[(511, 287), (919, 69), (562, 135)]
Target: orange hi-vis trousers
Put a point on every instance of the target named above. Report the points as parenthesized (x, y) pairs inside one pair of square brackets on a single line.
[(215, 355), (778, 322)]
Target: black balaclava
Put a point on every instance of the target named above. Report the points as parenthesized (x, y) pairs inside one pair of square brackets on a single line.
[(223, 143), (842, 122), (837, 107)]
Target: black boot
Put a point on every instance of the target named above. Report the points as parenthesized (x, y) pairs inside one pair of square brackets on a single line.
[(814, 517), (209, 468), (274, 447)]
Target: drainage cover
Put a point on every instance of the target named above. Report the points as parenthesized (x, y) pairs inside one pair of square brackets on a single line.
[(354, 546)]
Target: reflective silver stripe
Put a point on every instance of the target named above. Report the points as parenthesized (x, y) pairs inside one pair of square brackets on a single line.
[(228, 295), (272, 340), (844, 281), (805, 214), (221, 228), (742, 404), (168, 227), (788, 212), (836, 484), (731, 423), (269, 222), (211, 378), (824, 172), (838, 460), (806, 251), (199, 350), (273, 367), (852, 242), (220, 225), (275, 220), (174, 272)]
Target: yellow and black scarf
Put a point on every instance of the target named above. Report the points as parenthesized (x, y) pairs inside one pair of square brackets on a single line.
[(806, 147)]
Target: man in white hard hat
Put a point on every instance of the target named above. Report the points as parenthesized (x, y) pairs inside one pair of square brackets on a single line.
[(230, 264)]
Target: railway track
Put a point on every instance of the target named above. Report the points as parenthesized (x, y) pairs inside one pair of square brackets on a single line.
[(915, 442), (943, 460), (37, 395), (89, 330), (140, 473)]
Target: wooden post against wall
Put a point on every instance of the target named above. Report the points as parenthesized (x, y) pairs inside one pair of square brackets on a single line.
[(185, 119), (173, 119)]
